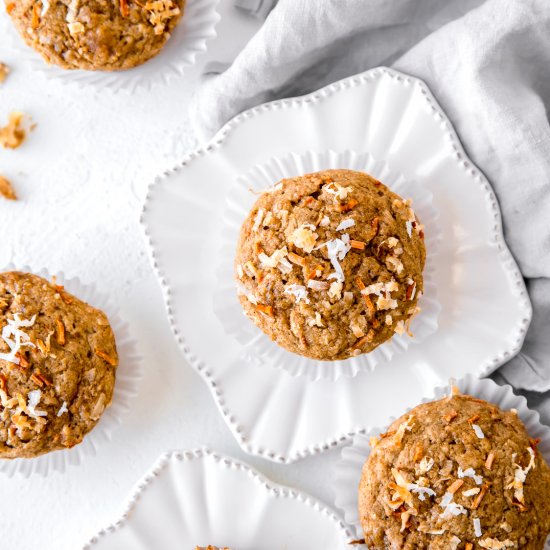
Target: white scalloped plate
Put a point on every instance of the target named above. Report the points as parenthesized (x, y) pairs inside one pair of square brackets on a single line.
[(200, 498), (485, 307)]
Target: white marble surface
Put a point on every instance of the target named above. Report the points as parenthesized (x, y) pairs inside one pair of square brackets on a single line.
[(81, 179)]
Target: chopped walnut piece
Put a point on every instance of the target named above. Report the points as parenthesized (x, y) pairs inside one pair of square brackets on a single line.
[(4, 71), (13, 134), (6, 189)]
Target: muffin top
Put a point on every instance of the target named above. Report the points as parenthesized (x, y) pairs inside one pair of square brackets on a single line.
[(329, 264), (456, 473), (57, 366), (96, 34)]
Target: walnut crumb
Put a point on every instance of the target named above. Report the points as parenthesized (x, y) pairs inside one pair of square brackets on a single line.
[(6, 189), (4, 72), (13, 134)]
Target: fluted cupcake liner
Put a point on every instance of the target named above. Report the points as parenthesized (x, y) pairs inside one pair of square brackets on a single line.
[(347, 473), (128, 375), (188, 40)]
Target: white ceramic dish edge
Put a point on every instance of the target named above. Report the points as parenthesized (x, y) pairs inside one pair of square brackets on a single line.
[(505, 255), (279, 491)]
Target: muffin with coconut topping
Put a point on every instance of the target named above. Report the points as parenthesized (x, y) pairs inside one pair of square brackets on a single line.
[(106, 35), (58, 361), (457, 473), (329, 264)]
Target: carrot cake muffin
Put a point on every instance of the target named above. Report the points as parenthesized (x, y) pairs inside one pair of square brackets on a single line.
[(106, 35), (329, 265), (57, 366), (457, 473)]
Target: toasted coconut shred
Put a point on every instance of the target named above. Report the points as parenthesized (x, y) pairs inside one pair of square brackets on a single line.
[(520, 475), (16, 338)]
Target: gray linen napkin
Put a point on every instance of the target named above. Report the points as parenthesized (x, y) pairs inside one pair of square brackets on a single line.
[(488, 64)]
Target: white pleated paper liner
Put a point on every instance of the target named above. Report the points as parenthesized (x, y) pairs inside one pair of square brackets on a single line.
[(128, 375), (189, 39), (347, 472), (257, 347)]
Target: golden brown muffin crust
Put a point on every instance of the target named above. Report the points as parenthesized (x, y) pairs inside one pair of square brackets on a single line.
[(96, 34), (55, 389), (447, 464), (308, 249)]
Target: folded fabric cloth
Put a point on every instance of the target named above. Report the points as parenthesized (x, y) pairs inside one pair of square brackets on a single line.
[(486, 61)]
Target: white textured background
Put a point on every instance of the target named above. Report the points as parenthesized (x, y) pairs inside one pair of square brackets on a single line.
[(81, 178)]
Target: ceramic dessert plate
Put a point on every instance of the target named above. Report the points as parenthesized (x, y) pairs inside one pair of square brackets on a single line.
[(485, 309), (200, 498)]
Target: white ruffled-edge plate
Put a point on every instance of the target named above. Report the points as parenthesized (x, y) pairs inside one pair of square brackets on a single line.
[(199, 498), (189, 40), (257, 346), (485, 307), (347, 472)]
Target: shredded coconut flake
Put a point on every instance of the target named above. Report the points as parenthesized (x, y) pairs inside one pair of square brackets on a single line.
[(426, 464), (454, 542), (298, 291), (335, 290), (470, 472), (471, 492), (33, 398), (494, 544), (385, 303), (479, 432), (477, 527), (340, 192), (317, 321), (243, 291), (325, 221), (520, 475), (420, 491), (20, 338), (451, 508), (409, 226), (63, 409), (304, 237), (345, 224), (317, 285), (337, 250)]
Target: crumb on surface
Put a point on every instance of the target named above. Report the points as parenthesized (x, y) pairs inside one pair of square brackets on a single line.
[(4, 72), (6, 189), (14, 133)]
